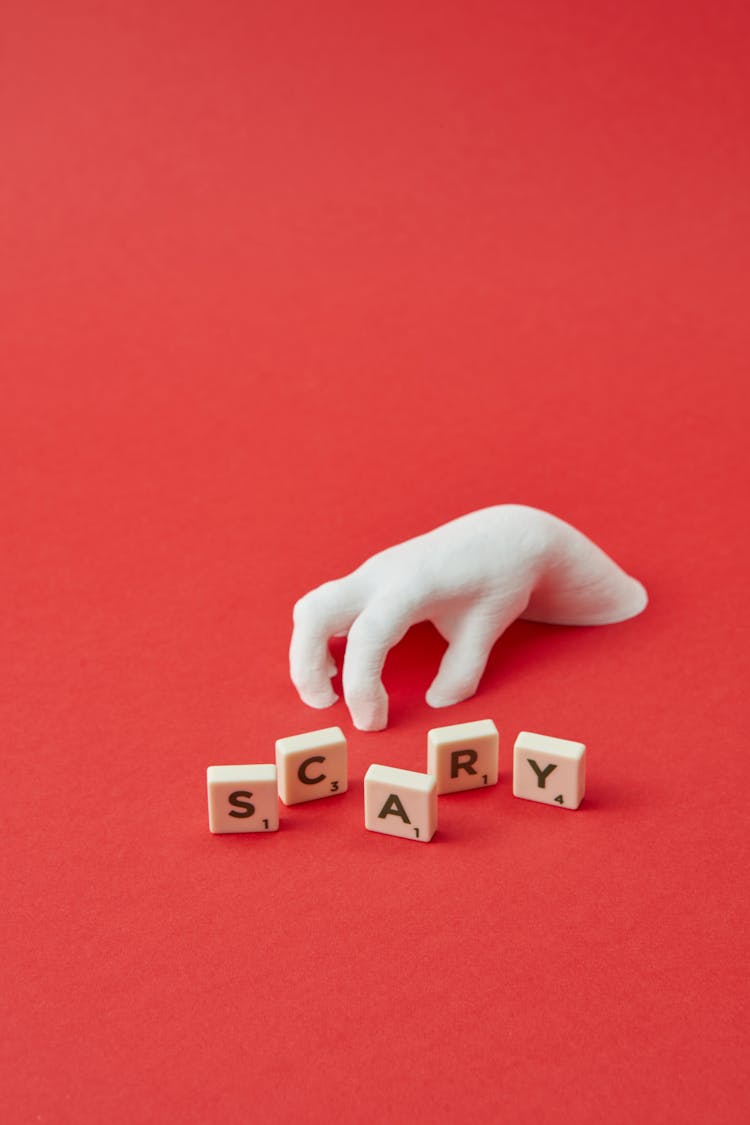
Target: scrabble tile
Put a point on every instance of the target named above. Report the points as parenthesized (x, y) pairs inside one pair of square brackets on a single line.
[(311, 765), (400, 803), (463, 756), (549, 770), (242, 798)]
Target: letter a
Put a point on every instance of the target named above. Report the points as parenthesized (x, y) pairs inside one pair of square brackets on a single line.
[(393, 807)]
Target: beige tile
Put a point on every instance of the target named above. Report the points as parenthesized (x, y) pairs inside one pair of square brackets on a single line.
[(242, 798), (463, 756), (400, 803), (311, 766), (549, 770)]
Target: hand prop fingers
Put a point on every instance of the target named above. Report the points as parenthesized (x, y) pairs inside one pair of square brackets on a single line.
[(323, 613), (472, 577), (470, 642), (378, 628)]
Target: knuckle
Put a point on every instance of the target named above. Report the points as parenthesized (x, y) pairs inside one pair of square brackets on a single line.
[(304, 609), (312, 606)]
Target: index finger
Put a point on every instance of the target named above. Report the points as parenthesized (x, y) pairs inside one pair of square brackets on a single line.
[(323, 613)]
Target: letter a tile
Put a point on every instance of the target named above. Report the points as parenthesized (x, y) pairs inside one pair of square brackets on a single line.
[(400, 803), (549, 770)]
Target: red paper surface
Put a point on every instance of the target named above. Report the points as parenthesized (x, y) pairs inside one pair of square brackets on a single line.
[(282, 285)]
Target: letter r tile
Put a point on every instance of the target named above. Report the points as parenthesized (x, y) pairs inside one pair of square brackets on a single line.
[(312, 765), (549, 770), (463, 756)]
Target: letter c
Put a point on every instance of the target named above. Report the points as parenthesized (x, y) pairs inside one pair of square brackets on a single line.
[(302, 771)]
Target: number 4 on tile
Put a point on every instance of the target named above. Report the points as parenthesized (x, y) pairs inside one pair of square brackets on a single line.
[(549, 770)]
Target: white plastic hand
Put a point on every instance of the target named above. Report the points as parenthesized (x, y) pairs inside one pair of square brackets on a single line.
[(471, 577)]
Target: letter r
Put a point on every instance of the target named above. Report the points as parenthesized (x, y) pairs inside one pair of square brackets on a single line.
[(463, 760)]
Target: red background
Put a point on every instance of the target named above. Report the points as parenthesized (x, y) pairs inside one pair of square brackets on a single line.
[(283, 284)]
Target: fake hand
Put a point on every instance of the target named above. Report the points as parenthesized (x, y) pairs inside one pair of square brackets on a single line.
[(471, 577)]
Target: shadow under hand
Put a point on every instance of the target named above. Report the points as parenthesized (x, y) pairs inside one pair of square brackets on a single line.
[(413, 663)]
